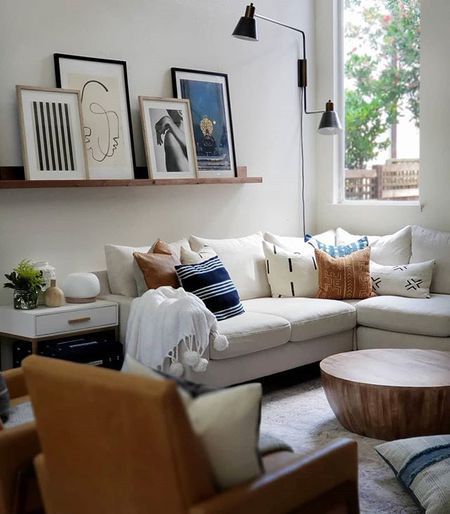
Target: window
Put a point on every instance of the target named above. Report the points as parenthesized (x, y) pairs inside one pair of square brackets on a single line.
[(381, 87)]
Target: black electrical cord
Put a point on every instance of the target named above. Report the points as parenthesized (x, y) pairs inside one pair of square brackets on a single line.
[(302, 161)]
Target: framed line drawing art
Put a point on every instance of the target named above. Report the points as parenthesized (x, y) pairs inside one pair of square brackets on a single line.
[(168, 138), (51, 132), (209, 95), (105, 106)]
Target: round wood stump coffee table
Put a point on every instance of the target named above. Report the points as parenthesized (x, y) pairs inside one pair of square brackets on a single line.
[(389, 393)]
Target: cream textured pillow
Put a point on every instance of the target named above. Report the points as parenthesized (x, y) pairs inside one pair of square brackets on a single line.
[(289, 243), (392, 249), (388, 250), (291, 274), (243, 258), (227, 423), (430, 244), (119, 265), (410, 280), (190, 257), (344, 238)]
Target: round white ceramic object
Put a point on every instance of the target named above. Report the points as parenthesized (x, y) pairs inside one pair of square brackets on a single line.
[(81, 287)]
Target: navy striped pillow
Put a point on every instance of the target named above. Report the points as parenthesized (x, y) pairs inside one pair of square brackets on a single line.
[(210, 281)]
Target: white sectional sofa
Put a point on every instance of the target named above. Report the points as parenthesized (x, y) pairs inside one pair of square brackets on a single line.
[(276, 334)]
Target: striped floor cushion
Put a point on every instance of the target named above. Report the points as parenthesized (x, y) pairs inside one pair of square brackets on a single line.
[(210, 281), (422, 465)]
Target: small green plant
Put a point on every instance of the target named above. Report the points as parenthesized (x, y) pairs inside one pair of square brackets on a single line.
[(25, 277)]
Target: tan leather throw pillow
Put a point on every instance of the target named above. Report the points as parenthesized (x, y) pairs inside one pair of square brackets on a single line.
[(160, 246), (158, 267), (346, 277)]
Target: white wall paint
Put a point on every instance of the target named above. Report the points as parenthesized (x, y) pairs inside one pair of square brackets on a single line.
[(69, 227), (435, 139)]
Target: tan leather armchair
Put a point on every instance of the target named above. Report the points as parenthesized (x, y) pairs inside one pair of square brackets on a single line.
[(120, 444), (19, 493)]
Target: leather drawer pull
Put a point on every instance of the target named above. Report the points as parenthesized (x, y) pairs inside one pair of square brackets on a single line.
[(79, 320)]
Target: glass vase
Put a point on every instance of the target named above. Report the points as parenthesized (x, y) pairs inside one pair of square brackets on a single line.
[(25, 300)]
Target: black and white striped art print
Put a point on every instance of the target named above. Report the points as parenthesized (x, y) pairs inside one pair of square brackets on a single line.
[(51, 131), (53, 136)]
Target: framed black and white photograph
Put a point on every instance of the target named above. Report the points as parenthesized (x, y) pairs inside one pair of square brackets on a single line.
[(51, 132), (105, 106), (209, 95), (168, 138)]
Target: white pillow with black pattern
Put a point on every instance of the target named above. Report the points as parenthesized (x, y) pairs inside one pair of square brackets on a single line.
[(291, 274), (410, 280)]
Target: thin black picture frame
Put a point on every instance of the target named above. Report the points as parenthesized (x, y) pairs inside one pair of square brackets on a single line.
[(58, 56), (177, 94)]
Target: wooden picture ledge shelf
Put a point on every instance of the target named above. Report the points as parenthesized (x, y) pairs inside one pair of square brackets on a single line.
[(12, 177)]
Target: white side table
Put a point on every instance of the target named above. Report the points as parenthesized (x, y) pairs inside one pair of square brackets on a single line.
[(51, 323)]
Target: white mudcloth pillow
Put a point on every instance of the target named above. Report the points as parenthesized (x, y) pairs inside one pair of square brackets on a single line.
[(243, 258), (410, 280), (227, 423), (432, 244), (291, 274), (119, 265)]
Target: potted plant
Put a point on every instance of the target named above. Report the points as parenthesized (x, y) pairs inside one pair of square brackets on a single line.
[(27, 282)]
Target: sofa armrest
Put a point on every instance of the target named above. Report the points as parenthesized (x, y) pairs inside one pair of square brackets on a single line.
[(15, 380), (318, 482)]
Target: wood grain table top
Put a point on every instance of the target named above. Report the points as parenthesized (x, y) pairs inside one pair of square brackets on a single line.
[(391, 367)]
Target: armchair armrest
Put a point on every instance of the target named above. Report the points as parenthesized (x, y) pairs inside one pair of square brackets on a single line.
[(18, 485), (318, 482), (15, 380)]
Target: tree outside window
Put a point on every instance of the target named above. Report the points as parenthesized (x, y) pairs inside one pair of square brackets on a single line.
[(382, 85)]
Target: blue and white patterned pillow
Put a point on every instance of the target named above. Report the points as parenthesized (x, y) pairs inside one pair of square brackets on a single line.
[(422, 465), (339, 250), (210, 281)]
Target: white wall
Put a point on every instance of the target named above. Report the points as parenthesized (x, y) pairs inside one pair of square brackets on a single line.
[(434, 133), (68, 227)]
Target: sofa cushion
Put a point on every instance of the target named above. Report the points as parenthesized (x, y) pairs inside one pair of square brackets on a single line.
[(392, 249), (344, 238), (119, 264), (424, 316), (251, 332), (389, 250), (430, 244), (297, 244), (291, 274), (309, 317), (244, 260)]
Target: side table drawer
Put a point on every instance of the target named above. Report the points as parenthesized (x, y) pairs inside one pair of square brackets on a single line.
[(82, 319)]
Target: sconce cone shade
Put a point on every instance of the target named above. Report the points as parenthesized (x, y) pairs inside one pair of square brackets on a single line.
[(246, 27), (329, 124)]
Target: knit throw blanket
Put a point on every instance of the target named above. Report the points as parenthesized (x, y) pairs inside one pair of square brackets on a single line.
[(170, 329)]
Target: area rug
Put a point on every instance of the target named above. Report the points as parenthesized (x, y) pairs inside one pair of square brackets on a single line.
[(300, 415)]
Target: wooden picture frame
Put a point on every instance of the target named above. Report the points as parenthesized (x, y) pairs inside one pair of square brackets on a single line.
[(51, 132), (209, 95), (105, 103), (168, 138)]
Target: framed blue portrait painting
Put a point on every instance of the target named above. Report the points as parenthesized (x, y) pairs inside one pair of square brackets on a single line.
[(208, 94)]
